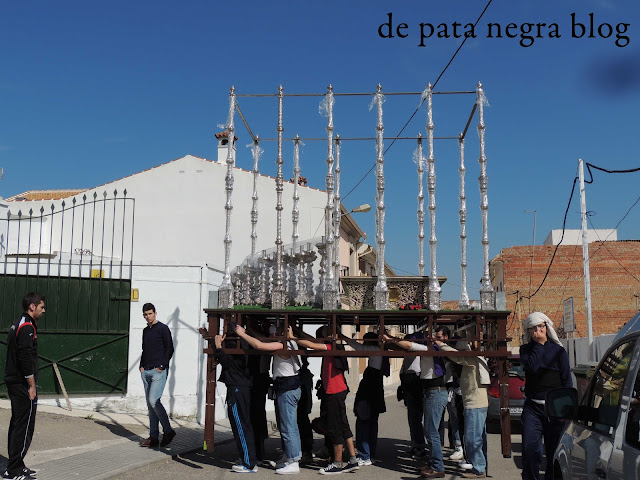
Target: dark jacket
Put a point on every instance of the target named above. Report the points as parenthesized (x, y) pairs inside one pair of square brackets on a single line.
[(22, 351), (157, 347), (369, 400), (235, 368), (546, 367)]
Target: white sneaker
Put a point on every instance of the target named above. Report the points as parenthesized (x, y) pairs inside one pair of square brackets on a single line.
[(364, 463), (465, 466), (290, 468), (243, 469), (457, 454)]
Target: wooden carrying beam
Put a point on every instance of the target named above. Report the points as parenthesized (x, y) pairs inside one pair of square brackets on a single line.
[(487, 328)]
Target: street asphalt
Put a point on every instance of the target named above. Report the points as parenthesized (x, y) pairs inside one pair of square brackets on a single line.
[(91, 445)]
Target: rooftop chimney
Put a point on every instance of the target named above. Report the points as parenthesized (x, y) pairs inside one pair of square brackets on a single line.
[(223, 145)]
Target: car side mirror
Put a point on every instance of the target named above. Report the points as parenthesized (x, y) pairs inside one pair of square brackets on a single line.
[(561, 403)]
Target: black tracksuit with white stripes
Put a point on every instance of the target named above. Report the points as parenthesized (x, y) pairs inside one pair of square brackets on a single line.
[(22, 362), (237, 377)]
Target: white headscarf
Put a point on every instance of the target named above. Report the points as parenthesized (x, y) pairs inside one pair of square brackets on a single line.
[(538, 318)]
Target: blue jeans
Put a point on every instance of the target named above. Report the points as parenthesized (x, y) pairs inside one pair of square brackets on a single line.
[(435, 402), (154, 382), (288, 409), (475, 438), (367, 436)]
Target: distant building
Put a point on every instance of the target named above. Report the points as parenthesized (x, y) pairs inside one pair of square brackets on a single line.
[(615, 281)]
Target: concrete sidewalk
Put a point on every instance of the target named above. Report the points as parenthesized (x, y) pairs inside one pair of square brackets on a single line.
[(91, 445), (95, 445)]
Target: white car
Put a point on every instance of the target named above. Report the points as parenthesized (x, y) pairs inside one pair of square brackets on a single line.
[(602, 439)]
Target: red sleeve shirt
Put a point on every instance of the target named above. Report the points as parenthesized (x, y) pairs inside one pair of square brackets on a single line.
[(332, 377)]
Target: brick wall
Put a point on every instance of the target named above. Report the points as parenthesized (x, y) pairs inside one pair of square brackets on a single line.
[(612, 288)]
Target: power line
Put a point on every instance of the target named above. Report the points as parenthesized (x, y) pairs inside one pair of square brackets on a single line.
[(418, 108), (564, 222), (612, 255)]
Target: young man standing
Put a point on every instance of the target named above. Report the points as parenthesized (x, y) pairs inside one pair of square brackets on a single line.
[(335, 388), (21, 376), (287, 385), (157, 350), (435, 397)]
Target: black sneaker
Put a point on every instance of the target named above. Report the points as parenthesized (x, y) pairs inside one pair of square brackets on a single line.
[(351, 466), (331, 469), (28, 471)]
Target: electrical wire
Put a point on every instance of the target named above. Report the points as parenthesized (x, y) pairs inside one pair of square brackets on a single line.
[(418, 108), (610, 253), (564, 222)]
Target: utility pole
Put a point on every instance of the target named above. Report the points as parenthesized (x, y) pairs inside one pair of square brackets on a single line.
[(585, 258), (533, 244)]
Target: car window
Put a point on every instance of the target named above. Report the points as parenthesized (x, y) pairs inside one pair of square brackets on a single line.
[(607, 386), (516, 369), (632, 432)]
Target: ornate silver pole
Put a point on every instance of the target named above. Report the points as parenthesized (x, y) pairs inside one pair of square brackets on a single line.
[(336, 224), (226, 289), (435, 300), (296, 257), (295, 213), (263, 293), (278, 293), (330, 294), (256, 151), (487, 296), (381, 290), (322, 249), (464, 297), (419, 159)]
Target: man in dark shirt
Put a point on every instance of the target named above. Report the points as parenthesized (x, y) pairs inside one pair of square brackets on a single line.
[(21, 375), (235, 374), (157, 350), (546, 366)]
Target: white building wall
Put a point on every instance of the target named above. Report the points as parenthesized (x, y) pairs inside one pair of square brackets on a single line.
[(574, 237), (178, 259)]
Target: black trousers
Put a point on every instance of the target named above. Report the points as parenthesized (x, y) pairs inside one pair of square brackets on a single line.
[(239, 408), (23, 420)]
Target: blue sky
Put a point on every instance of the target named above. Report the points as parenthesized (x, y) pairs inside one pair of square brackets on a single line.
[(91, 92)]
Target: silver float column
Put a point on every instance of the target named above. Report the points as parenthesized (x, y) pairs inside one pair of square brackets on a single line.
[(381, 290), (226, 289), (464, 297), (256, 151), (487, 295), (278, 293), (330, 294), (419, 159), (337, 213), (435, 300), (296, 257)]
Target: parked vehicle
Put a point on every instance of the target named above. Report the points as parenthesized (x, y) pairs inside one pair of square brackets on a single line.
[(602, 439), (516, 394)]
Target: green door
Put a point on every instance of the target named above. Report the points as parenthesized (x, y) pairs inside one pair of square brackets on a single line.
[(85, 331)]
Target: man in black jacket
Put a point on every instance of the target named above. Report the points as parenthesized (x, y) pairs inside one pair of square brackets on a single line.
[(236, 376), (21, 375), (157, 350)]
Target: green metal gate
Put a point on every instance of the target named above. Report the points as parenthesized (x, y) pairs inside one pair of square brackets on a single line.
[(87, 285)]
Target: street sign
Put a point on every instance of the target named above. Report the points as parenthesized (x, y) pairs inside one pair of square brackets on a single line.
[(568, 323)]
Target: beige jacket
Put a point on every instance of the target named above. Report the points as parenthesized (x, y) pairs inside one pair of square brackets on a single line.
[(473, 380)]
